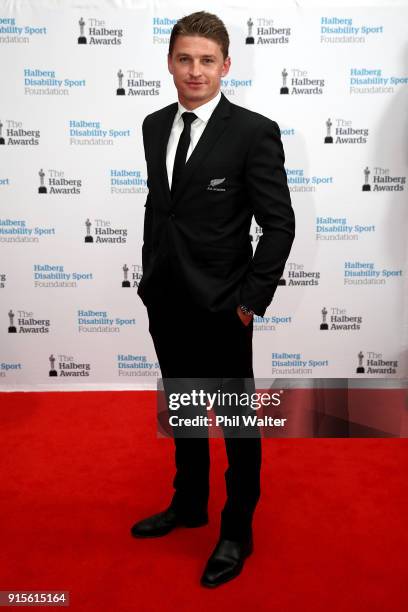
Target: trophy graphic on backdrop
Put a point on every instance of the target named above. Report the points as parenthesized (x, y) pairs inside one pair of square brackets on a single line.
[(88, 237), (42, 188), (53, 371), (324, 325), (284, 89), (329, 137), (125, 282), (250, 39), (1, 134), (120, 91), (11, 329), (360, 369), (366, 186), (82, 37)]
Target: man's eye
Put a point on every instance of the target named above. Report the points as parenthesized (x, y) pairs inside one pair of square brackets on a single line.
[(208, 60), (183, 59)]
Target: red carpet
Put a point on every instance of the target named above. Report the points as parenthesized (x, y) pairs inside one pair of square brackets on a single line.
[(79, 468)]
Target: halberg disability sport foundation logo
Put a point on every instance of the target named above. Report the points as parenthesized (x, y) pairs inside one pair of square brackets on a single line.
[(58, 184), (13, 31), (39, 82), (96, 32), (136, 84), (341, 228), (347, 30)]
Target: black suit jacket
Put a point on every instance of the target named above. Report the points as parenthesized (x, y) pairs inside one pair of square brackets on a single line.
[(236, 170)]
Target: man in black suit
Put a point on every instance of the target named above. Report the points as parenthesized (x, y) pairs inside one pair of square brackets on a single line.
[(211, 165)]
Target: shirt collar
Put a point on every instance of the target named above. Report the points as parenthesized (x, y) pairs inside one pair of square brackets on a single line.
[(203, 112)]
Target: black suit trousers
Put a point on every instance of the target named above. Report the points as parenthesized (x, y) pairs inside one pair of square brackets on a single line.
[(194, 343)]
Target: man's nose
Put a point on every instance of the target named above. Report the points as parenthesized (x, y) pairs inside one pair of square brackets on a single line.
[(195, 68)]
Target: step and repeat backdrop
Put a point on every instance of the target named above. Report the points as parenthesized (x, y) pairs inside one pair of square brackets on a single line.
[(77, 80)]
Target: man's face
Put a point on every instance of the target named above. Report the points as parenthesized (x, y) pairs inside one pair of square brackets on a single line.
[(197, 66)]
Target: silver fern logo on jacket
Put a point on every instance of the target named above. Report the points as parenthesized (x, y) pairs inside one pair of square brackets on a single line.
[(214, 185)]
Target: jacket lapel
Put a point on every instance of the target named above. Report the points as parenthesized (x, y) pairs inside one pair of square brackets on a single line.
[(164, 134)]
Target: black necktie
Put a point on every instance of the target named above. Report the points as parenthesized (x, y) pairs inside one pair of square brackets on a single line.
[(182, 148)]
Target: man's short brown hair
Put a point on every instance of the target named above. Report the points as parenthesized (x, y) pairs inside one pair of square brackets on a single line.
[(201, 24)]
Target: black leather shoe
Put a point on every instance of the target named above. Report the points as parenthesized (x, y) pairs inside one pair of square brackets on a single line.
[(162, 523), (226, 561)]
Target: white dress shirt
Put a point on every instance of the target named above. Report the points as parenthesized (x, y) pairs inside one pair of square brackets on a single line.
[(203, 113)]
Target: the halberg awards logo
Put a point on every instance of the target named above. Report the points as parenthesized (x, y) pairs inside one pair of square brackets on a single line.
[(301, 83), (298, 276), (267, 33), (67, 366), (382, 180), (28, 323), (125, 282), (98, 33), (57, 184), (104, 232), (136, 84), (12, 328), (17, 135), (360, 367), (375, 364), (345, 133), (339, 320), (135, 276)]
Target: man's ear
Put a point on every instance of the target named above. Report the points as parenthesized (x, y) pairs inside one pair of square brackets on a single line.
[(170, 63), (226, 66)]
